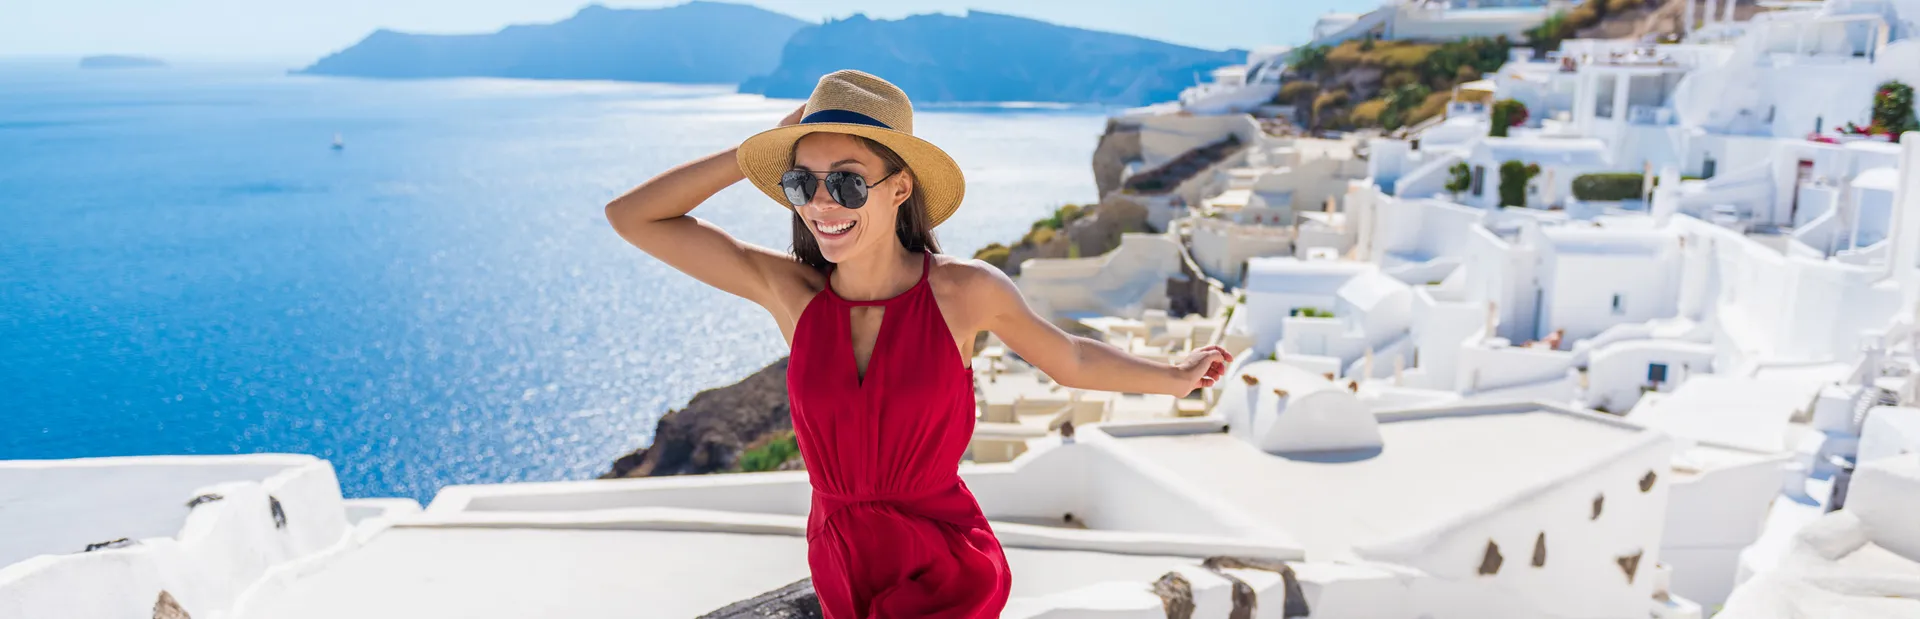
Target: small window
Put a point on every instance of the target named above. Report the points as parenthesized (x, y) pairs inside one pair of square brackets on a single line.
[(1619, 305), (1657, 373)]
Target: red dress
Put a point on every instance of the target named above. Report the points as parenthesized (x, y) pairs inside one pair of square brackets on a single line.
[(893, 532)]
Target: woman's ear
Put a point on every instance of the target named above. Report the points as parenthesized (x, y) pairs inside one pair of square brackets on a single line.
[(903, 188)]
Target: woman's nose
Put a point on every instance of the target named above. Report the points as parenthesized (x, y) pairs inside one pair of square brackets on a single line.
[(822, 203)]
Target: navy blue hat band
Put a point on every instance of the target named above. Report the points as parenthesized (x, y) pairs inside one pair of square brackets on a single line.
[(843, 116)]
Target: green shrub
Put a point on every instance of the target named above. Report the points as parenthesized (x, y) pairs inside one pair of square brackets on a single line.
[(1435, 105), (1400, 101), (1061, 217), (994, 254), (1039, 236), (1893, 108), (1514, 176), (1506, 113), (771, 454), (1400, 55), (1294, 93), (1481, 54), (1311, 312), (1367, 113), (1345, 56), (1608, 186), (1326, 102), (1310, 59), (1459, 177)]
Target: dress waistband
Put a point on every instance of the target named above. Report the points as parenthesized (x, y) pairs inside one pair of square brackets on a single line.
[(897, 497)]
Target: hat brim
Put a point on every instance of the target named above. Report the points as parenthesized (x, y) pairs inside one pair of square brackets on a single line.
[(767, 155)]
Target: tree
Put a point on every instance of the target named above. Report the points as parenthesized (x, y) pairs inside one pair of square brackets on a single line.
[(1400, 101), (1309, 59), (1514, 177), (1547, 36), (1459, 178), (1506, 113), (1893, 109)]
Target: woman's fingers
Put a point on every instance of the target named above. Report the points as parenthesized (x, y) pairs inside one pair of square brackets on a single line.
[(794, 117)]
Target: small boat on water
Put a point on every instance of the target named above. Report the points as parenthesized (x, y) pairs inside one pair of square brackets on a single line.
[(338, 143)]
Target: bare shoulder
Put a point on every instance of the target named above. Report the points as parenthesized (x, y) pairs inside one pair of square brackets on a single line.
[(793, 283), (972, 285), (966, 276)]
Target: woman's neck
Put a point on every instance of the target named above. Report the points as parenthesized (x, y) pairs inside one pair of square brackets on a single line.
[(881, 275)]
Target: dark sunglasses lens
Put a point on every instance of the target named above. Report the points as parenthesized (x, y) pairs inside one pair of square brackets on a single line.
[(847, 188), (798, 187)]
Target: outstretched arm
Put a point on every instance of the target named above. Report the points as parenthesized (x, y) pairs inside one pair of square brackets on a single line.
[(653, 217), (1085, 363)]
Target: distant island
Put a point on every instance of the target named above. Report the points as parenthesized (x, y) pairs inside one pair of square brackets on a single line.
[(979, 57), (697, 42), (991, 57), (121, 62)]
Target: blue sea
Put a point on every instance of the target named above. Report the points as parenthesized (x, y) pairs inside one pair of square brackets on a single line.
[(188, 267)]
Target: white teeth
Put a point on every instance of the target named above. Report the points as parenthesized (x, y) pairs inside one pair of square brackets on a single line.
[(835, 228)]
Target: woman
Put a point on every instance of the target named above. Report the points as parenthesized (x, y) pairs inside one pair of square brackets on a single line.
[(881, 328)]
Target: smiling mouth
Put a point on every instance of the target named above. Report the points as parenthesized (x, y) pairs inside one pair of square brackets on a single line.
[(834, 229)]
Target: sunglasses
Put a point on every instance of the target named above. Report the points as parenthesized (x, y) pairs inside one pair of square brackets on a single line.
[(847, 188)]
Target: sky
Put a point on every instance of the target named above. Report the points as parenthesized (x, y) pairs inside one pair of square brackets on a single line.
[(299, 31)]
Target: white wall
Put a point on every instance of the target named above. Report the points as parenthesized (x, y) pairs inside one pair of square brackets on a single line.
[(1712, 515), (1439, 330), (1581, 577), (1890, 431), (1275, 286), (1492, 365), (1580, 288), (1222, 248), (1124, 282), (1616, 373), (220, 549), (1885, 494)]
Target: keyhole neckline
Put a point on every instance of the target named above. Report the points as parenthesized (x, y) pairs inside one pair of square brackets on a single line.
[(926, 266)]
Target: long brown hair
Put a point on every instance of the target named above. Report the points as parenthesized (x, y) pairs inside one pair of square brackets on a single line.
[(910, 224)]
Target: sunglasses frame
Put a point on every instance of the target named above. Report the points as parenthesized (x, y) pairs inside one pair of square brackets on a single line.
[(835, 181)]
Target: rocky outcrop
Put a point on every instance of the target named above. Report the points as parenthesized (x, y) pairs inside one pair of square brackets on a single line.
[(1295, 604), (1168, 176), (167, 608), (716, 426), (1092, 234), (795, 601), (1119, 146), (1176, 595)]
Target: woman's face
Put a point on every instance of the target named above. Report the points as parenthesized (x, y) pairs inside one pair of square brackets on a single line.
[(843, 232)]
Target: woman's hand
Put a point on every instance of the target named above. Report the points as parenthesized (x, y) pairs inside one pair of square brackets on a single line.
[(1202, 368), (794, 118)]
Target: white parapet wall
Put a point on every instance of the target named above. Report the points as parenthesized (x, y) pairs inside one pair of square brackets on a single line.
[(1106, 502), (1124, 282), (1718, 506), (249, 515)]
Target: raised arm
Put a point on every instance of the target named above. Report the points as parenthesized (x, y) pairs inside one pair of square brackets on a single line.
[(653, 217), (1080, 362)]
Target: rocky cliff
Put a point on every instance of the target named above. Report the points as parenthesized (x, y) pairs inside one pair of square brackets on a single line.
[(714, 429)]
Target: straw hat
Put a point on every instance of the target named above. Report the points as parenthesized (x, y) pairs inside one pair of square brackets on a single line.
[(859, 104)]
